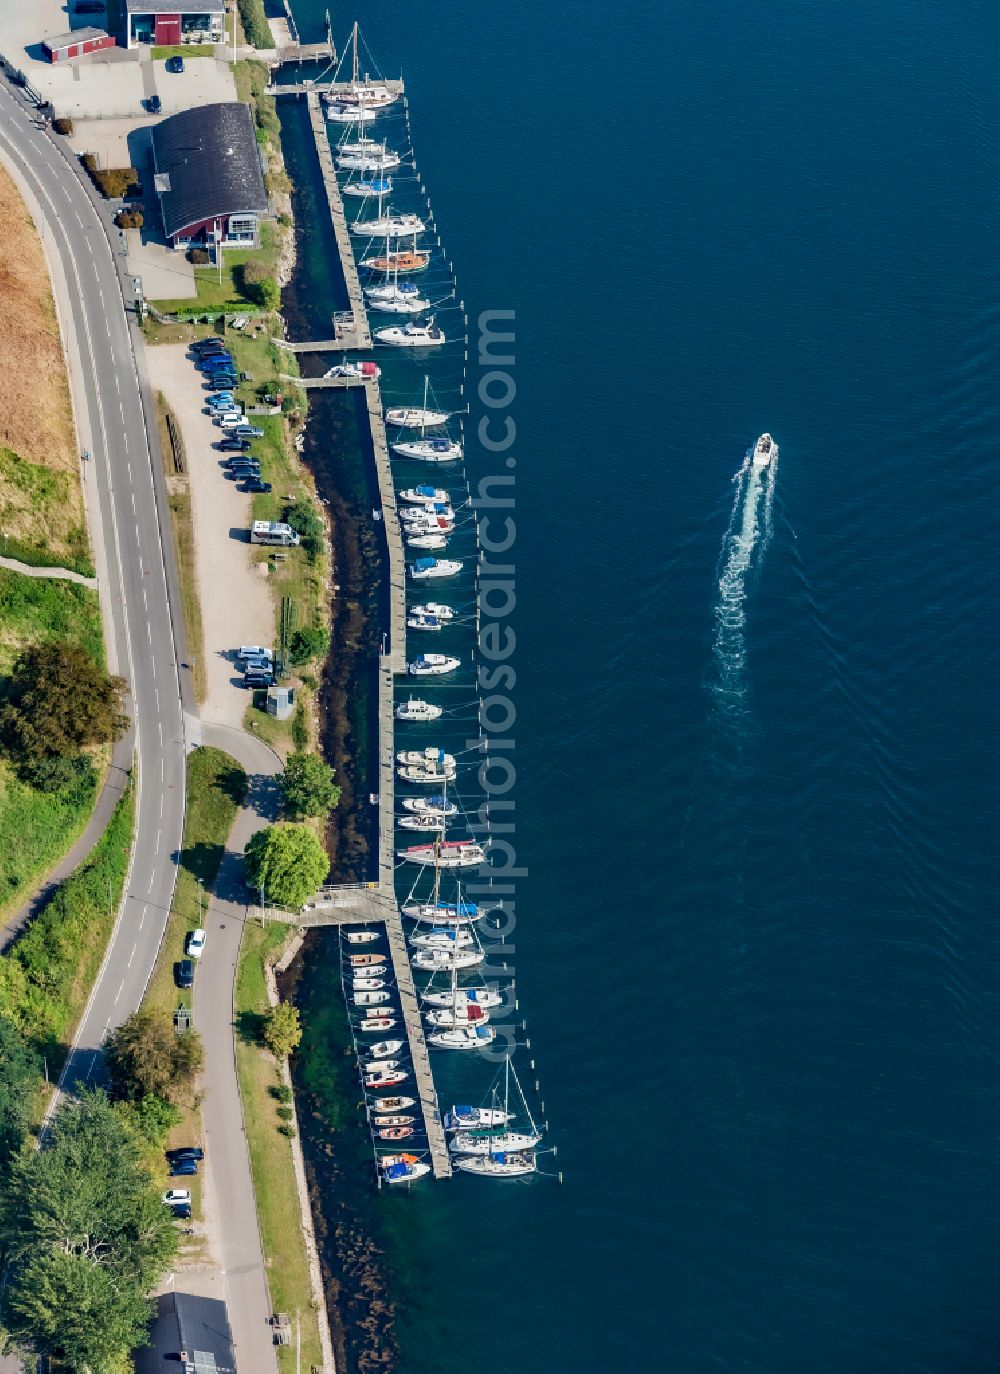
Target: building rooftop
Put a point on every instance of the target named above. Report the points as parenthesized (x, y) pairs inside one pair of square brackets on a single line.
[(63, 40), (175, 6), (209, 157)]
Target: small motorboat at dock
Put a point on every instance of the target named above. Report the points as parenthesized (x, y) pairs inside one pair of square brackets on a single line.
[(424, 569), (417, 711), (433, 665)]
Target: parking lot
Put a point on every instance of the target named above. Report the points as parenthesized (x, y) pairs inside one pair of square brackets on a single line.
[(236, 603)]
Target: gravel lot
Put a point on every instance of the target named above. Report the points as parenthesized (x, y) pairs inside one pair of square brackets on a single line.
[(236, 603)]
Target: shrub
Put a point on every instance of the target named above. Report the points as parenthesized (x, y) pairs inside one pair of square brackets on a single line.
[(286, 1129), (312, 641), (282, 1033), (72, 774), (285, 1114), (307, 524), (255, 26), (282, 1092), (300, 727), (199, 256), (63, 126), (57, 701), (113, 182), (253, 272), (130, 219)]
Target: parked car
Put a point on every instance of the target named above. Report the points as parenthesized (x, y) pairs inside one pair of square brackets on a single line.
[(174, 1197), (246, 431), (175, 64), (209, 341), (246, 651), (258, 677), (153, 104), (184, 973), (184, 1168), (234, 445), (243, 466), (182, 1211), (186, 1152), (196, 943), (223, 379), (255, 484), (223, 402), (207, 348), (215, 362), (229, 419)]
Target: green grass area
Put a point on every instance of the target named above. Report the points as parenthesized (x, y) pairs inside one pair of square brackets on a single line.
[(47, 974), (37, 828), (184, 50), (226, 294), (33, 609), (216, 787), (271, 1153), (41, 520), (182, 524), (255, 25)]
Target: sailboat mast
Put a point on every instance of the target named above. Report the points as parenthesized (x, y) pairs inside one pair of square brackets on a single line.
[(354, 41)]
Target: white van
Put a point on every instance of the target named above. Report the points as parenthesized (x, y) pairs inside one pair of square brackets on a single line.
[(229, 419), (246, 651)]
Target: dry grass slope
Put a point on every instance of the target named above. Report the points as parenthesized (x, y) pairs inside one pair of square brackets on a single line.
[(40, 498)]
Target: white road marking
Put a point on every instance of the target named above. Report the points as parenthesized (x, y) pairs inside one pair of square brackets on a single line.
[(132, 955), (121, 987)]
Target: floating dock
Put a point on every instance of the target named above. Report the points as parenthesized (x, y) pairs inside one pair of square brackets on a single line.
[(360, 335), (376, 903)]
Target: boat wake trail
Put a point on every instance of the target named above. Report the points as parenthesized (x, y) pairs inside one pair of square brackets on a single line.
[(745, 538)]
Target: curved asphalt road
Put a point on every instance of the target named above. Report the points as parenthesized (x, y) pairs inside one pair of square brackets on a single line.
[(129, 545)]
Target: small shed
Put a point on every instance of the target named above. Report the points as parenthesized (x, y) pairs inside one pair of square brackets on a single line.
[(75, 44), (280, 702)]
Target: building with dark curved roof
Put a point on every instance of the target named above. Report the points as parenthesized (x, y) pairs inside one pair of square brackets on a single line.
[(208, 176)]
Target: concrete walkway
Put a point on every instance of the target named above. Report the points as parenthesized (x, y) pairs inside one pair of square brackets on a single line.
[(63, 574), (232, 1209)]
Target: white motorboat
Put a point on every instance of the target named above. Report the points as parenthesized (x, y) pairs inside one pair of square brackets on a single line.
[(426, 539), (492, 1142), (349, 113), (425, 569), (368, 186), (389, 226), (393, 1104), (462, 1014), (429, 521), (424, 495), (433, 665), (382, 1049), (394, 1120), (463, 1037), (426, 758), (418, 417), (402, 1168), (432, 821), (366, 372), (441, 939), (361, 937), (438, 609), (438, 805), (480, 997), (384, 1077), (368, 984), (427, 512), (449, 854), (429, 450), (765, 451), (397, 262), (365, 960), (413, 334), (420, 620), (369, 999), (376, 1024), (416, 710), (379, 159), (435, 960), (475, 1118), (396, 297), (499, 1165), (424, 775)]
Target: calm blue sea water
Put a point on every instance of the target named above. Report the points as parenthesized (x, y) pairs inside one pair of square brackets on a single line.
[(758, 949)]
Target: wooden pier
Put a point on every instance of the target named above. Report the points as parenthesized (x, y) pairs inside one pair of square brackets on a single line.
[(360, 336), (333, 88)]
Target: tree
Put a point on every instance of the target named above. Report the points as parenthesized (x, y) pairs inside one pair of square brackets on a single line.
[(308, 525), (146, 1056), (57, 701), (287, 862), (269, 293), (308, 786), (20, 1073), (86, 1237), (282, 1031), (312, 641)]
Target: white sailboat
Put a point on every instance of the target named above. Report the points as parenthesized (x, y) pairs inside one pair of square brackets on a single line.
[(424, 495), (367, 186), (418, 417), (437, 805), (447, 940), (430, 450), (491, 1156), (422, 620), (463, 1037), (438, 609), (389, 226), (396, 297), (445, 854), (436, 960), (427, 514), (425, 539), (432, 821), (377, 159), (481, 997)]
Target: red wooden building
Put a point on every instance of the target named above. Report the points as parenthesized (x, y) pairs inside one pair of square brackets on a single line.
[(75, 44)]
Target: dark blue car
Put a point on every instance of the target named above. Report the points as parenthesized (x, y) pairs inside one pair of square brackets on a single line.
[(183, 1168)]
